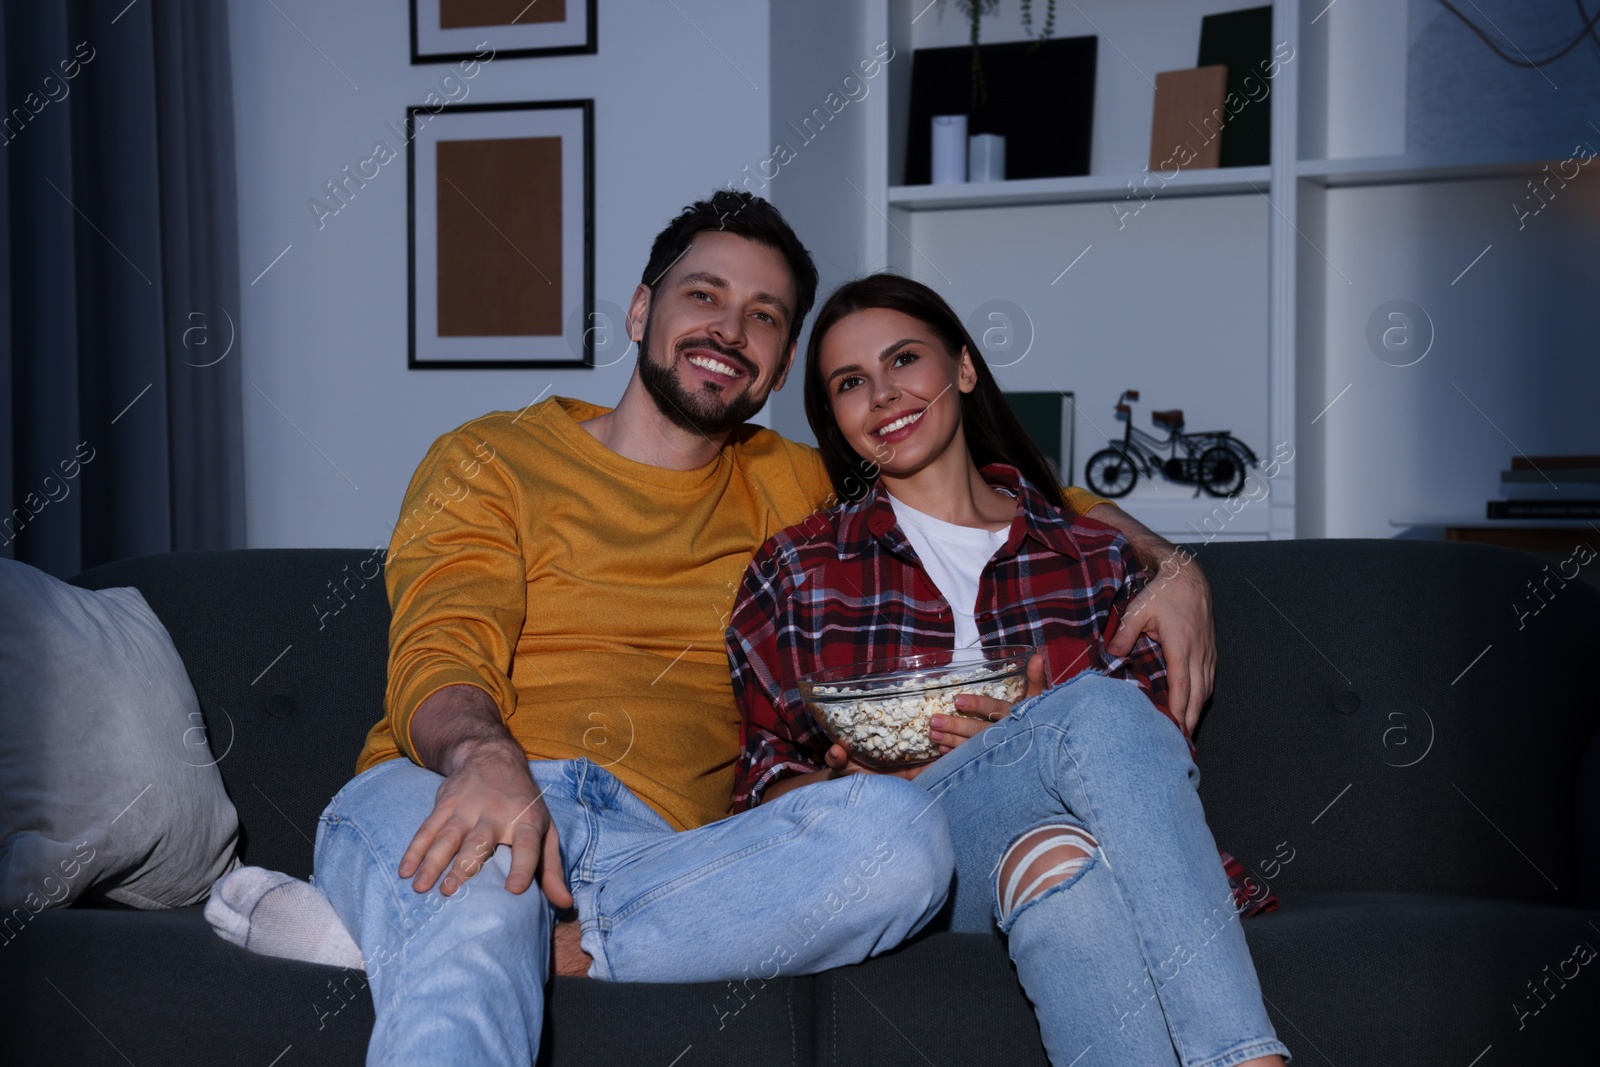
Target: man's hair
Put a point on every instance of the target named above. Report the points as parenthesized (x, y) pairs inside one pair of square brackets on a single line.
[(749, 216)]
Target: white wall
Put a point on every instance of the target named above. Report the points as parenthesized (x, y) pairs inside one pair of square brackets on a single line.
[(323, 333), (815, 45)]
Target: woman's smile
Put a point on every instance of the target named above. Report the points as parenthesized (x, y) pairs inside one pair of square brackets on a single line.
[(899, 427)]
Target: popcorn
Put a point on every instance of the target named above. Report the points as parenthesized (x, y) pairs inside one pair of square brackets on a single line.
[(890, 724)]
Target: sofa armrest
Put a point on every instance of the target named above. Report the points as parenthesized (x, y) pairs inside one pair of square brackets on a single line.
[(1587, 818)]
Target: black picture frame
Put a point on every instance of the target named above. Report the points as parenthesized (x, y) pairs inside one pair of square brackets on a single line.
[(575, 350), (424, 38)]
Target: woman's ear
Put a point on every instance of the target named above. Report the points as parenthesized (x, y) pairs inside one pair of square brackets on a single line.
[(966, 373)]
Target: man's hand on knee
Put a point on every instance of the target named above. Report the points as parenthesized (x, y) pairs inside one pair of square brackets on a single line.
[(487, 799)]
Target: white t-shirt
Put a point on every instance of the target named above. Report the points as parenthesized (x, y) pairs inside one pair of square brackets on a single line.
[(954, 557)]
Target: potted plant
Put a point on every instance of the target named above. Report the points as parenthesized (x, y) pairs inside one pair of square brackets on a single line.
[(974, 10)]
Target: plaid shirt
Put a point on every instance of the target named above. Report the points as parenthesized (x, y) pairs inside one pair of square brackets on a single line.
[(846, 587)]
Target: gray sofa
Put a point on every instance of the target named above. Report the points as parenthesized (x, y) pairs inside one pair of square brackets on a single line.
[(1416, 777)]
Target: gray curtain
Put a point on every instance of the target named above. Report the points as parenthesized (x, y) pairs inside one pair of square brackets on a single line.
[(119, 285)]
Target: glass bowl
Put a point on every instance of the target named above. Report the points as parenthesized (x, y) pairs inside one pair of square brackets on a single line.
[(879, 710)]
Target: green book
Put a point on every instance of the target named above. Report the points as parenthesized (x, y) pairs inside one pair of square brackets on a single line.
[(1242, 41)]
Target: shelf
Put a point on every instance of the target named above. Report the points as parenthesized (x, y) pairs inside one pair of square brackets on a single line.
[(1460, 523), (1199, 518), (1093, 188), (1403, 170)]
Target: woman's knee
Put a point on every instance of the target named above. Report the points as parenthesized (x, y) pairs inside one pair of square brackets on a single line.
[(1037, 861), (1109, 716)]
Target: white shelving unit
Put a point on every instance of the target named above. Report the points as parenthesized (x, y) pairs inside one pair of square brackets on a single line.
[(1087, 189), (1241, 321), (1167, 38)]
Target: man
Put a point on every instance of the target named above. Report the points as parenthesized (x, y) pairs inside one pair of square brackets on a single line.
[(560, 579)]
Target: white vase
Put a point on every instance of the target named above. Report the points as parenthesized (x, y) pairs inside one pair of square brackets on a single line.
[(949, 149), (986, 158)]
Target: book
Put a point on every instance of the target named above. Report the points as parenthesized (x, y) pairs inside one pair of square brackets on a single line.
[(1188, 118), (1544, 491), (1547, 475), (1242, 42), (1545, 463), (1544, 509)]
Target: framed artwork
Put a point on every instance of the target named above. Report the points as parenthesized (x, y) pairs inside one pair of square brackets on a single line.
[(501, 234), (444, 31)]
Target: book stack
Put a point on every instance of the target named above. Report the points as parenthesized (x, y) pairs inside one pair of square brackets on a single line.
[(1549, 487)]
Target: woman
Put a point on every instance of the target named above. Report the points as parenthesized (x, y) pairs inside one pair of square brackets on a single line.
[(1078, 830)]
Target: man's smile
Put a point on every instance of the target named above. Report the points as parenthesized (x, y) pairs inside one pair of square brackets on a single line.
[(713, 365)]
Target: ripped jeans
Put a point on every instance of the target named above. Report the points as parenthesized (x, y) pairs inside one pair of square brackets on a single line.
[(1135, 955)]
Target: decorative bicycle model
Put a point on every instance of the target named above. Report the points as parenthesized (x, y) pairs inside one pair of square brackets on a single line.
[(1214, 460)]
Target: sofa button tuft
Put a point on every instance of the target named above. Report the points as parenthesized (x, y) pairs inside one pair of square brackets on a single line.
[(280, 706), (1345, 702)]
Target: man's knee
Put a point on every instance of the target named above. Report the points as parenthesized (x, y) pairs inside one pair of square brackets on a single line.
[(1038, 861), (393, 789)]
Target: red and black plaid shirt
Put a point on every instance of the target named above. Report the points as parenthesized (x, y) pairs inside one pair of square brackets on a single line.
[(846, 587)]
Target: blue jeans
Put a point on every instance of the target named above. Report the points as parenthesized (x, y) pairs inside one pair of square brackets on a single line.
[(820, 877), (1138, 958)]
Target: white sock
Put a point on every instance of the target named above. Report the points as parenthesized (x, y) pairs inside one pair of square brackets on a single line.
[(276, 915)]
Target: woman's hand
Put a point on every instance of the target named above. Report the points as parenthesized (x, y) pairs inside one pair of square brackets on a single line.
[(948, 731)]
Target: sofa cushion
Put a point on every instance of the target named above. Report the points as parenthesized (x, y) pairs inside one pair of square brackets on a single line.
[(106, 782)]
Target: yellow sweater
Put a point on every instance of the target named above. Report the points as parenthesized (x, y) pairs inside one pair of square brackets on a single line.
[(587, 594)]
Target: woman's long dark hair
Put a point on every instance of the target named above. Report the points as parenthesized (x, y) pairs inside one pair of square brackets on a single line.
[(992, 431)]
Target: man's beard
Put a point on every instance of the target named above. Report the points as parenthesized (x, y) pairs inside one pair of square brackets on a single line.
[(700, 409)]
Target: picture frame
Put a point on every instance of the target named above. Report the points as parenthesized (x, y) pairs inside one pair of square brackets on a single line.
[(500, 235), (445, 31)]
